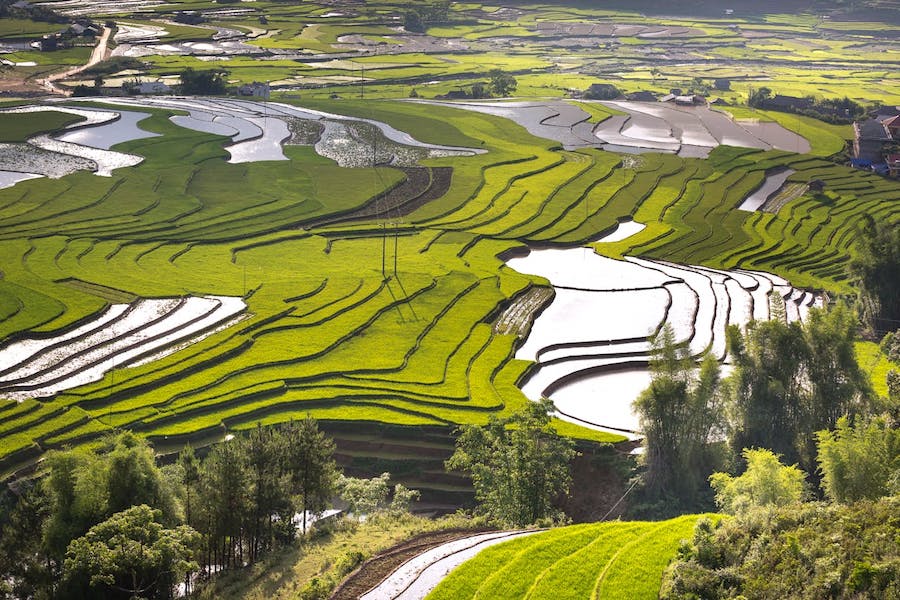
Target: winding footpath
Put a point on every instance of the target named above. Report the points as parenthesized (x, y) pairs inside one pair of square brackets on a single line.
[(414, 579), (99, 53)]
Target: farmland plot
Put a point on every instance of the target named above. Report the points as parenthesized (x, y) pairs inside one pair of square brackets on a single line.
[(358, 310), (591, 345), (619, 559)]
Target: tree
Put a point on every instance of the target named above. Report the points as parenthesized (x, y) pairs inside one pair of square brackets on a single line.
[(836, 386), (766, 386), (402, 499), (679, 415), (263, 451), (860, 461), (224, 488), (76, 493), (480, 90), (204, 82), (412, 21), (23, 564), (519, 465), (765, 482), (133, 477), (875, 268), (130, 555), (502, 84), (190, 477), (310, 464), (757, 98), (603, 91), (364, 496), (791, 380)]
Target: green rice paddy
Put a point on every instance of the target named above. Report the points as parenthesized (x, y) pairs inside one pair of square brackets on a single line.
[(616, 559), (390, 319)]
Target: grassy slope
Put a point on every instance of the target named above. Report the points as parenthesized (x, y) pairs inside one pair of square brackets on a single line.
[(284, 574), (601, 560), (20, 127)]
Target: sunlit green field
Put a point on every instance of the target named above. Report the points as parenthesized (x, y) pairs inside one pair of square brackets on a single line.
[(391, 319), (617, 559), (318, 297)]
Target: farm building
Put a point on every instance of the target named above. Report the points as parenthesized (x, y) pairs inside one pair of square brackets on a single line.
[(641, 96), (256, 89), (893, 163), (869, 137), (787, 103), (689, 100), (892, 124), (884, 112)]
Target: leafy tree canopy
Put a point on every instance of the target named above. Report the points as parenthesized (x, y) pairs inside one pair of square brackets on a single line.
[(766, 482), (861, 461), (876, 271), (519, 465), (204, 82), (680, 413), (130, 555)]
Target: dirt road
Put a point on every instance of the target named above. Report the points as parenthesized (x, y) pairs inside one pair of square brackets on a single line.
[(99, 54)]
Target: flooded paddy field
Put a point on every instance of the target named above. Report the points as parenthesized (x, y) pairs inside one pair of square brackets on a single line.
[(591, 344), (646, 127)]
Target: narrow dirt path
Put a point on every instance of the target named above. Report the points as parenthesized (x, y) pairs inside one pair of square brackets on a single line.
[(414, 579), (98, 54)]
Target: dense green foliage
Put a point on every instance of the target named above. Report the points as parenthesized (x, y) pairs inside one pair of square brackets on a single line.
[(791, 380), (800, 551), (860, 462), (680, 414), (129, 555), (765, 482), (203, 82), (111, 521), (519, 465), (876, 270)]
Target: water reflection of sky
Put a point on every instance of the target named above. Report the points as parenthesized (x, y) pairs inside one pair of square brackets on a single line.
[(105, 136), (590, 344)]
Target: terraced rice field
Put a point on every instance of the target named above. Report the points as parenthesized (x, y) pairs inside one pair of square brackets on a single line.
[(375, 293), (617, 559), (590, 345)]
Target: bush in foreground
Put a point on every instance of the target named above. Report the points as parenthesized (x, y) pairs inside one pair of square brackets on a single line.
[(812, 550)]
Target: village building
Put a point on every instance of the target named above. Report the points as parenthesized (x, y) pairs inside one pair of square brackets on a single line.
[(893, 164), (255, 89), (641, 96), (690, 100), (869, 138), (787, 103), (892, 124)]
